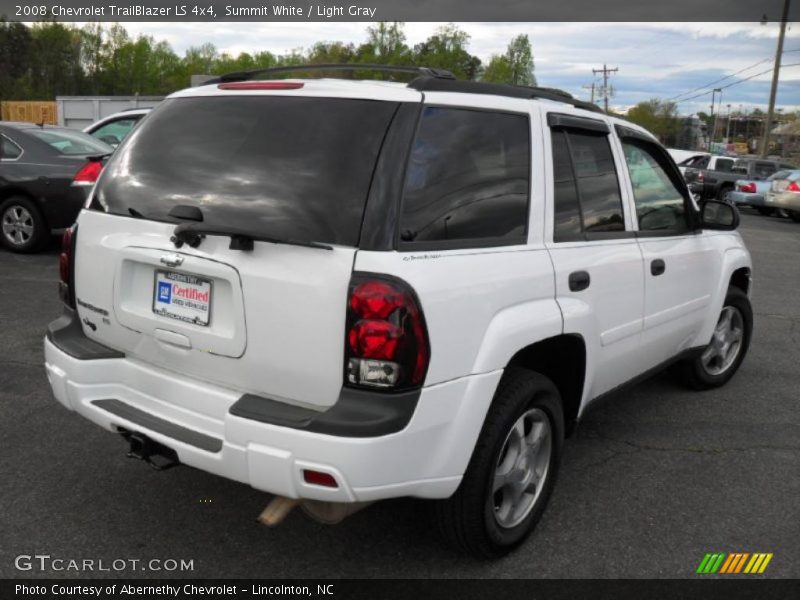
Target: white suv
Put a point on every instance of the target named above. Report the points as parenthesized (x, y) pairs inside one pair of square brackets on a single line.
[(340, 291)]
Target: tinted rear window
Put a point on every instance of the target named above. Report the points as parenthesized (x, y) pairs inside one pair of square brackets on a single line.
[(296, 168)]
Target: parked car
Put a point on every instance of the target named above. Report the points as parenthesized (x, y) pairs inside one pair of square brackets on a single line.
[(686, 159), (339, 292), (719, 180), (38, 165), (115, 128), (752, 193), (784, 194)]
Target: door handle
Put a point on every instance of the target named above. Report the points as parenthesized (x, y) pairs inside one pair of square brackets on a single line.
[(579, 280), (657, 267)]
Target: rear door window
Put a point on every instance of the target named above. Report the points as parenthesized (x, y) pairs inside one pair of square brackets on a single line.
[(467, 179), (294, 168), (586, 187)]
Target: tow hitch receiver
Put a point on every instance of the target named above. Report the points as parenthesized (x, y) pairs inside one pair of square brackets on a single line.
[(154, 454)]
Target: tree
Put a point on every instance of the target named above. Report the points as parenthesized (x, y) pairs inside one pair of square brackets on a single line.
[(386, 44), (659, 117), (515, 66), (447, 49), (15, 47)]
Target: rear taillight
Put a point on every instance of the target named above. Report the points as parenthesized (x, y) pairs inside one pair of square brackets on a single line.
[(747, 188), (793, 187), (387, 340), (65, 267), (88, 173), (700, 176)]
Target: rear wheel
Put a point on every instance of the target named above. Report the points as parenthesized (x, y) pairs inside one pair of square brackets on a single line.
[(22, 225), (512, 470), (721, 358), (765, 211)]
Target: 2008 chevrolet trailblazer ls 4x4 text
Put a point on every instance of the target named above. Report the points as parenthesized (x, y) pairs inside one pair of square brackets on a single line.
[(340, 291)]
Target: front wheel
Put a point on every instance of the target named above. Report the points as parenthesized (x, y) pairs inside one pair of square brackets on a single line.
[(512, 470), (721, 358)]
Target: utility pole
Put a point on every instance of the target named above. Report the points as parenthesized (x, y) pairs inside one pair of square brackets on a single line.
[(775, 74), (606, 72), (715, 114), (728, 126)]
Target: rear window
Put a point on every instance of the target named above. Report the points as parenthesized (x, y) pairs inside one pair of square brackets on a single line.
[(291, 168), (70, 143)]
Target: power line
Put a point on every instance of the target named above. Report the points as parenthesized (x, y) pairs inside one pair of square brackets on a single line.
[(707, 92), (729, 76), (720, 79)]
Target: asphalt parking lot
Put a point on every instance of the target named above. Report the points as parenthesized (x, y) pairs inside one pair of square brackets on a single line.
[(652, 480)]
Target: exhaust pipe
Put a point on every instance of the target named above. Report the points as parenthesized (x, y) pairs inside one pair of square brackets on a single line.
[(327, 513)]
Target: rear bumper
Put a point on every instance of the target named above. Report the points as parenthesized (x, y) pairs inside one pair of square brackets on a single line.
[(425, 459), (745, 199), (786, 200)]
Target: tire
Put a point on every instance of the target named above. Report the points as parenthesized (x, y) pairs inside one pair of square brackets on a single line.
[(22, 227), (765, 211), (486, 523), (794, 216), (723, 195), (714, 366)]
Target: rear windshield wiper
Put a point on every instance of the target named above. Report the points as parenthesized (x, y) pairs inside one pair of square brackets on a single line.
[(193, 234)]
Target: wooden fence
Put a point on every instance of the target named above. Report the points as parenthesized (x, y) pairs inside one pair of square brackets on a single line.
[(31, 112)]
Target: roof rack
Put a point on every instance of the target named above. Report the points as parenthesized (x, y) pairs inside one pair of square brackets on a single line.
[(429, 79), (433, 84), (427, 72)]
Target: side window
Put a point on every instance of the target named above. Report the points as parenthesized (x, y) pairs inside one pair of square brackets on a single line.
[(468, 177), (114, 132), (587, 196), (660, 205), (9, 150), (764, 169), (724, 164)]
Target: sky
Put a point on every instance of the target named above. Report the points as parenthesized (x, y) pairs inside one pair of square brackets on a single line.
[(663, 60)]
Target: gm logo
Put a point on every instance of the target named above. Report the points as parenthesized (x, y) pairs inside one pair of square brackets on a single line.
[(734, 563), (164, 292)]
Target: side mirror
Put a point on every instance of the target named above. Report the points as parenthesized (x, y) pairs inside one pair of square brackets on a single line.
[(719, 215)]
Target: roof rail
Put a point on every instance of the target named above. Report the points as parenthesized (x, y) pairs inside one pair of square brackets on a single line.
[(432, 84), (247, 75)]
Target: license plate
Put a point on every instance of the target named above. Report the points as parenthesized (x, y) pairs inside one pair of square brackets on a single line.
[(183, 297)]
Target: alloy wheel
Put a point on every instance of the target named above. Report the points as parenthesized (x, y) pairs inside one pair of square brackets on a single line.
[(522, 468), (726, 343), (18, 225)]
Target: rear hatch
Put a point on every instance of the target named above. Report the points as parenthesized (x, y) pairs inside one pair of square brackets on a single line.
[(272, 190)]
